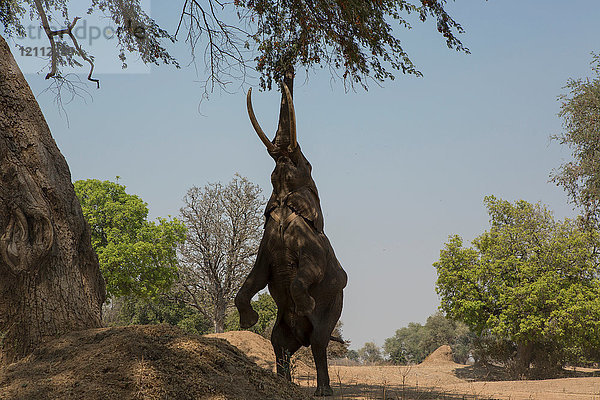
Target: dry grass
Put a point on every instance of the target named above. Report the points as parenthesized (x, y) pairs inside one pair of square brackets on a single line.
[(151, 362)]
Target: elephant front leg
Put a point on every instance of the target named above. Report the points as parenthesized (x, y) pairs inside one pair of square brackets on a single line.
[(248, 317), (256, 281)]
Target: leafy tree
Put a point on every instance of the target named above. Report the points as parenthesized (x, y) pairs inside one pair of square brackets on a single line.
[(580, 111), (441, 331), (224, 225), (137, 257), (529, 281), (412, 344), (370, 353), (353, 355), (406, 346)]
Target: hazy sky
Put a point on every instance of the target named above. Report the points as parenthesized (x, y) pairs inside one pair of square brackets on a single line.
[(399, 168)]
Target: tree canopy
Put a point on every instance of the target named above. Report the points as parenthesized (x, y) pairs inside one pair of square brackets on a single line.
[(530, 280), (354, 39), (580, 112), (370, 353), (137, 257)]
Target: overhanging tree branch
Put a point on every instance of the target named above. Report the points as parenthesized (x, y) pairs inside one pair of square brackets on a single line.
[(69, 31)]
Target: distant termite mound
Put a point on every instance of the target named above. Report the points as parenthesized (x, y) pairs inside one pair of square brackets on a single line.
[(442, 355)]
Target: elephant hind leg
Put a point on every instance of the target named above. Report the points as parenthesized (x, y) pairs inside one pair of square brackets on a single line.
[(284, 345), (319, 350), (325, 317)]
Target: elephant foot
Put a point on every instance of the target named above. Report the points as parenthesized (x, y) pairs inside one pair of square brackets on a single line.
[(304, 305), (248, 318), (323, 391)]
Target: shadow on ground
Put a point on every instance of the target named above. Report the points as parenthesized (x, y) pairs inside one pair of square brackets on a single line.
[(381, 392), (491, 373)]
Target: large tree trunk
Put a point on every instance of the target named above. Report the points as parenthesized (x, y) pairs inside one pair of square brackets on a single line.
[(523, 359), (50, 281)]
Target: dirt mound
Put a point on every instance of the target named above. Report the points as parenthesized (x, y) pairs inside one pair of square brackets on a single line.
[(140, 362), (442, 355), (260, 350), (254, 346)]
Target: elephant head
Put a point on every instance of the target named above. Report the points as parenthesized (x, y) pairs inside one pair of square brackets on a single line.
[(291, 179)]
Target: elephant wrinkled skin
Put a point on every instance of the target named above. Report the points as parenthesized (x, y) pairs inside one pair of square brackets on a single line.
[(295, 258)]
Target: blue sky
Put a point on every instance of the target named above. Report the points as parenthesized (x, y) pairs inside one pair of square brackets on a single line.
[(399, 168)]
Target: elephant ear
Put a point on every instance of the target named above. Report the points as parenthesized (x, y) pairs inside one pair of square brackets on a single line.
[(305, 203)]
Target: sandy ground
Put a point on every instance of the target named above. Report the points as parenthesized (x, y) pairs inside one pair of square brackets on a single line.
[(438, 377), (440, 381)]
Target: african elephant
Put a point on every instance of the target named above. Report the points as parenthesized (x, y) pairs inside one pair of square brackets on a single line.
[(295, 258)]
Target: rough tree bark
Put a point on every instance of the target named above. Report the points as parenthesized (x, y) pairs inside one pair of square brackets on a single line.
[(50, 281)]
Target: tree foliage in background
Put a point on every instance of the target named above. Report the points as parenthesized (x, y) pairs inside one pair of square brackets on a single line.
[(352, 355), (412, 344), (354, 39), (337, 349), (158, 310), (370, 353), (530, 282), (137, 257), (224, 228), (580, 112)]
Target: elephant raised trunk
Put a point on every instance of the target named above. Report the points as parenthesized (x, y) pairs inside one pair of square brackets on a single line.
[(285, 138)]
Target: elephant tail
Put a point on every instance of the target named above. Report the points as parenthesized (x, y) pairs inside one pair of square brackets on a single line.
[(337, 339)]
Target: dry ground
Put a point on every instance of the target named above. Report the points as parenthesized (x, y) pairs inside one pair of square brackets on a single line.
[(162, 362), (438, 377)]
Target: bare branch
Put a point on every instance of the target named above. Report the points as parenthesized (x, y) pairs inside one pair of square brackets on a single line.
[(224, 54), (224, 230), (69, 31)]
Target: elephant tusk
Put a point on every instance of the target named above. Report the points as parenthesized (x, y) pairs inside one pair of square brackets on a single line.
[(292, 112), (257, 128)]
